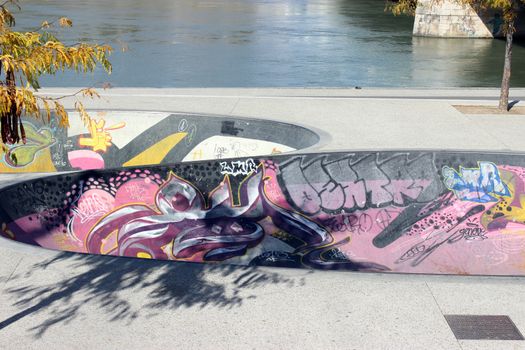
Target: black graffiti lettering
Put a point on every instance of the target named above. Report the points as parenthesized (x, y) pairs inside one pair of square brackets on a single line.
[(375, 181), (423, 168), (434, 241), (298, 189), (421, 251), (385, 216), (29, 195), (350, 183), (334, 225), (402, 191), (360, 224), (412, 252), (354, 190), (349, 222), (474, 233), (329, 191)]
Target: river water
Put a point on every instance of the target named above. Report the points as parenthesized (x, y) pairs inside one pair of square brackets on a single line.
[(268, 43)]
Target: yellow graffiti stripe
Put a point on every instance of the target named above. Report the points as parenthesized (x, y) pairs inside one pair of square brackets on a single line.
[(156, 153), (105, 248)]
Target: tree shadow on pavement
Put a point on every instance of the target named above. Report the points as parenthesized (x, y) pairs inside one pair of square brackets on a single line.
[(125, 287)]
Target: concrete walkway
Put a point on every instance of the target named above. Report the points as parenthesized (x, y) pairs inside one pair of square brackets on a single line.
[(68, 301)]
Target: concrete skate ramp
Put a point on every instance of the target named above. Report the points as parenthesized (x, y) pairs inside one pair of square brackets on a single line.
[(127, 138), (406, 211)]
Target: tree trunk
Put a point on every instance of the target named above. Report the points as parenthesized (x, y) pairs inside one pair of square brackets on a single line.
[(505, 82), (11, 128)]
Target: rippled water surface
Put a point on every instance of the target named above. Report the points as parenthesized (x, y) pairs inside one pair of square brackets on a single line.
[(270, 43)]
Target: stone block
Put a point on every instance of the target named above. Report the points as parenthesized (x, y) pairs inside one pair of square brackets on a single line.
[(449, 18)]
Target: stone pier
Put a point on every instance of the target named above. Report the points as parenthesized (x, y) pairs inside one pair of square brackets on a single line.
[(451, 19)]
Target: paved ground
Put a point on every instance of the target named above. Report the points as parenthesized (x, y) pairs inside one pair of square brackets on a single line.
[(58, 300)]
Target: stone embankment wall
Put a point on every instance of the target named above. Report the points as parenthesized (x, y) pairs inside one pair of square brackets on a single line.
[(451, 19)]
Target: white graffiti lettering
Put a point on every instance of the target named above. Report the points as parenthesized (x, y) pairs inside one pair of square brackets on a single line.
[(91, 207), (239, 167)]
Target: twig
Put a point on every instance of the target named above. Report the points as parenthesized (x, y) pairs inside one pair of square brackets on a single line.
[(64, 96)]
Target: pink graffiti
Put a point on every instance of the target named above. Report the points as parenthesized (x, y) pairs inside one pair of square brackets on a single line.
[(85, 160)]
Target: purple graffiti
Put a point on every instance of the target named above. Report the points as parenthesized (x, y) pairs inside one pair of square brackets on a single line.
[(182, 225)]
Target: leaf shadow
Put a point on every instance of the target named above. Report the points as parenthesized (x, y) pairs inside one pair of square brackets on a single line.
[(125, 288)]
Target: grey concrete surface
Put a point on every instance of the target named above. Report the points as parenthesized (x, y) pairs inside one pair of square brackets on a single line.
[(55, 300), (355, 119)]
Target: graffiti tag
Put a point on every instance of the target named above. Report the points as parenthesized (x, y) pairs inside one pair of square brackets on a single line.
[(136, 192), (480, 184), (351, 222), (473, 232), (239, 167), (422, 250), (91, 207)]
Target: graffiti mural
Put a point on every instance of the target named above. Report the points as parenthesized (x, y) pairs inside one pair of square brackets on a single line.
[(100, 137), (34, 154), (219, 147), (409, 212), (116, 139), (482, 184)]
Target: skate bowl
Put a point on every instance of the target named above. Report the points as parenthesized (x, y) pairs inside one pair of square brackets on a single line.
[(431, 212), (126, 138)]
